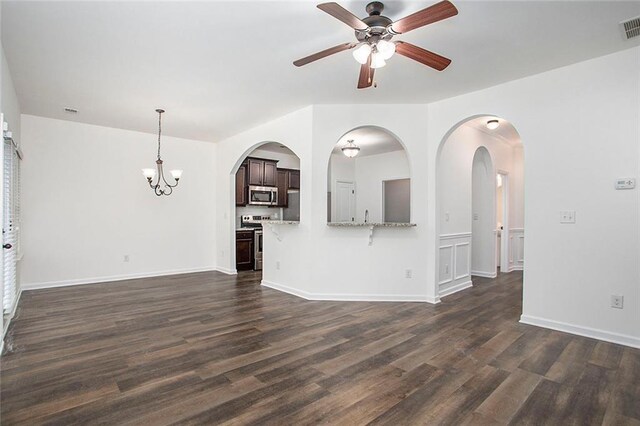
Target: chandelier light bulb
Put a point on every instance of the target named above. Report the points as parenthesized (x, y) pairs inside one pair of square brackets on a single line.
[(377, 61), (386, 49), (149, 173), (177, 174), (493, 124), (362, 52)]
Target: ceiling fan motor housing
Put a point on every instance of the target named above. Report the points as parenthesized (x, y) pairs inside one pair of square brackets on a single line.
[(377, 24)]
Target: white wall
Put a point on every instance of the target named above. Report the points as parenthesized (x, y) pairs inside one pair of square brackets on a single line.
[(293, 131), (10, 107), (371, 171), (580, 129), (86, 204), (367, 173), (454, 176), (9, 101), (285, 161), (454, 199), (578, 136)]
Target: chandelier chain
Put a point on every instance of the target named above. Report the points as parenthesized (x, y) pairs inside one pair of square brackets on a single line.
[(159, 131)]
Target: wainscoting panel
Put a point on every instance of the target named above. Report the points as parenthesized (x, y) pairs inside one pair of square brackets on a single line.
[(516, 249), (455, 263)]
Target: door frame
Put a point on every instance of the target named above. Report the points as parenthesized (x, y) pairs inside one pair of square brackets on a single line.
[(504, 240), (334, 203)]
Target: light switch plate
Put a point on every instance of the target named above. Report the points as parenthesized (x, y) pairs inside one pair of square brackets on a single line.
[(625, 183), (568, 216)]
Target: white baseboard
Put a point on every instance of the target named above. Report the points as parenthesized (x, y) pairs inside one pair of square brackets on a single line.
[(338, 297), (515, 268), (96, 280), (5, 325), (594, 333), (227, 270), (484, 274), (456, 288)]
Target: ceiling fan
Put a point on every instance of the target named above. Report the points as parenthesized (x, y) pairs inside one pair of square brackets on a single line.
[(374, 34)]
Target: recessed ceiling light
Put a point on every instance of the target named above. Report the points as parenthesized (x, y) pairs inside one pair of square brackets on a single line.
[(492, 124), (70, 110)]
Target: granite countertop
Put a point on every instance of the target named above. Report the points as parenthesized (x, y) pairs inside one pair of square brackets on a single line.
[(371, 224), (281, 222)]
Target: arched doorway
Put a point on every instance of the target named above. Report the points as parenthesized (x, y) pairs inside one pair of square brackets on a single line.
[(483, 214), (265, 185), (369, 178), (476, 231)]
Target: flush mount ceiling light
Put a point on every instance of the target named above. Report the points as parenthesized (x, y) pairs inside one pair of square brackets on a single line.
[(350, 149), (493, 124), (161, 186)]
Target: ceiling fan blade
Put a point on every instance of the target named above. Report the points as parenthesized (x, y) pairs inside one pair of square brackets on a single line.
[(439, 11), (366, 75), (421, 55), (323, 54), (342, 14)]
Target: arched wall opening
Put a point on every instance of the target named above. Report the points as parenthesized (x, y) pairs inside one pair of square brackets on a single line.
[(470, 241), (369, 178), (483, 214), (264, 167)]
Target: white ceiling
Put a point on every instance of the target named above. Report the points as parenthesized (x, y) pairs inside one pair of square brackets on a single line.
[(371, 140), (221, 67), (505, 132), (276, 147)]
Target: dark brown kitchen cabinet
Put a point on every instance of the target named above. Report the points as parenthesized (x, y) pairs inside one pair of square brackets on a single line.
[(261, 172), (244, 250), (283, 185), (269, 174), (241, 186), (294, 179), (256, 171)]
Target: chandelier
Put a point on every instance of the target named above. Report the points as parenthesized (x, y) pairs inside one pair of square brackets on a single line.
[(350, 149), (161, 186)]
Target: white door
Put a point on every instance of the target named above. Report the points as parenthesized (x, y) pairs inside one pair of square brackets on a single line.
[(345, 202)]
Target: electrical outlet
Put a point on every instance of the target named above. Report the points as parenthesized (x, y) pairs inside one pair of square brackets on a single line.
[(617, 301), (446, 217), (568, 216), (408, 273), (475, 216), (126, 258), (278, 265)]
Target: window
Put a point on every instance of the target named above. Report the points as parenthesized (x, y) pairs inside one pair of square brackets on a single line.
[(10, 222)]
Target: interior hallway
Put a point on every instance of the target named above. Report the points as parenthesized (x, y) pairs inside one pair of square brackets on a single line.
[(212, 348)]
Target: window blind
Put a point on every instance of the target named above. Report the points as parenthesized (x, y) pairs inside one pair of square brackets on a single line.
[(11, 222)]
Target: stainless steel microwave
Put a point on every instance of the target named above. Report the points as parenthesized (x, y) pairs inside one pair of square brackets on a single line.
[(263, 195)]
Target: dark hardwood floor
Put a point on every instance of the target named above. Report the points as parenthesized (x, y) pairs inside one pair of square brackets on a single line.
[(209, 348)]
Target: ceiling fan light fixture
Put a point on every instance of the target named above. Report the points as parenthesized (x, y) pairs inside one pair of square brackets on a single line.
[(350, 149), (377, 60), (386, 49), (362, 52), (493, 124)]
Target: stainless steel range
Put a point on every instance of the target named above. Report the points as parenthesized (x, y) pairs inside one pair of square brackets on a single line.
[(255, 222)]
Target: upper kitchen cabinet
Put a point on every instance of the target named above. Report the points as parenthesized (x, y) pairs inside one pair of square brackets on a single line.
[(262, 172), (270, 173), (283, 186), (294, 179), (241, 186)]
